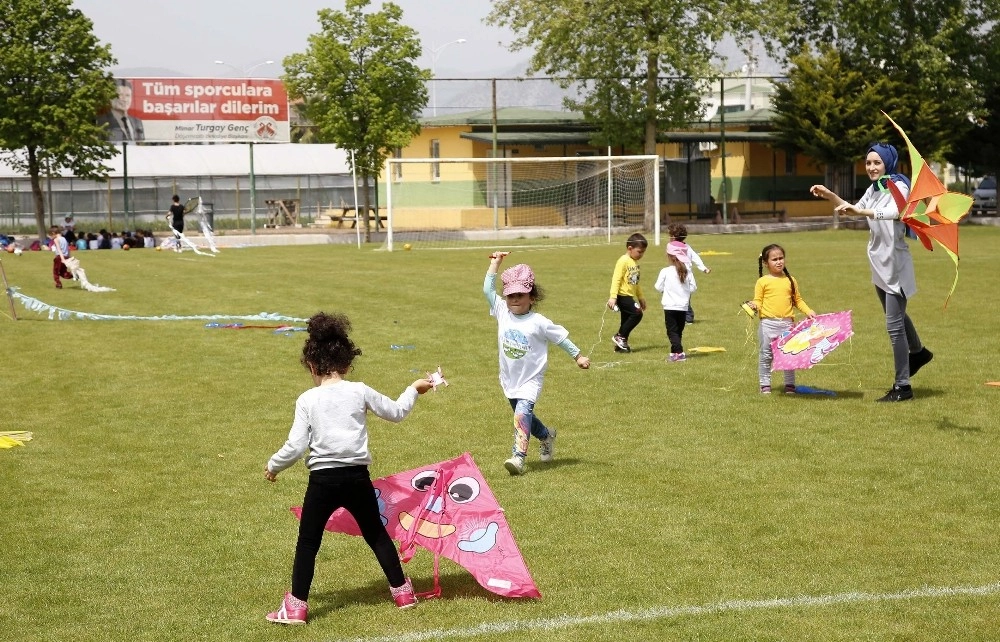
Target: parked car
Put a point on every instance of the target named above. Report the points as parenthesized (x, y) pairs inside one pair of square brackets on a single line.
[(984, 197)]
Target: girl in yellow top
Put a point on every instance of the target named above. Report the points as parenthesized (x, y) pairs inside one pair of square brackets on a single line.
[(775, 294)]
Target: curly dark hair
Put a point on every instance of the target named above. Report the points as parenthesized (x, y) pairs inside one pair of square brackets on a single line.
[(328, 348), (677, 231)]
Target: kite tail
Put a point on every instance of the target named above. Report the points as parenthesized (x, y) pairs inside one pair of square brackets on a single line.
[(183, 240), (954, 284), (81, 275)]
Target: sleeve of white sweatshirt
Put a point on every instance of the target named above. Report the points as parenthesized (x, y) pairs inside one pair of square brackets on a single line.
[(385, 408), (696, 259)]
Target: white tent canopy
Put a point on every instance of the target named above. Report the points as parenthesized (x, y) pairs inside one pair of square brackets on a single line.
[(269, 159)]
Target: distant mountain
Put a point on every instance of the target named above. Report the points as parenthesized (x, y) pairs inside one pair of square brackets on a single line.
[(147, 72)]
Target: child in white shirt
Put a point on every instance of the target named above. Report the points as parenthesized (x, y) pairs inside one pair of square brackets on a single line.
[(523, 338), (676, 283)]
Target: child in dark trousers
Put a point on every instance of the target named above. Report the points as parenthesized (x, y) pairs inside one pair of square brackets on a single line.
[(331, 427), (61, 249), (626, 293), (676, 283)]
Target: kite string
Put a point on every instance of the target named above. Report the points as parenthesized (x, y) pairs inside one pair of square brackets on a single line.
[(600, 332)]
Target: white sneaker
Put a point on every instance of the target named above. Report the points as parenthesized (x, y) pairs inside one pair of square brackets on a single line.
[(515, 465), (548, 446)]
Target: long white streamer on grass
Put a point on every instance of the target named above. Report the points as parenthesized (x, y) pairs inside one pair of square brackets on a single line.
[(182, 240), (80, 275), (32, 304), (668, 612)]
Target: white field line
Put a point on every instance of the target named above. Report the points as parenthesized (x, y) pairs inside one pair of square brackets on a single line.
[(665, 612)]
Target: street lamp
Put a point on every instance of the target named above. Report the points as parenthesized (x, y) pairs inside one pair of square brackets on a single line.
[(435, 52), (244, 72)]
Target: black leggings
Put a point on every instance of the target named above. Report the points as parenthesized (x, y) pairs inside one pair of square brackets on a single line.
[(631, 315), (349, 487)]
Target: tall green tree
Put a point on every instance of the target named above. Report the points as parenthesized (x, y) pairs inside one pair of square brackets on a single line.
[(830, 111), (979, 149), (637, 61), (929, 49), (53, 83), (360, 85)]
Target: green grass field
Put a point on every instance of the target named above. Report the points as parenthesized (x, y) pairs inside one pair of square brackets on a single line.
[(682, 504)]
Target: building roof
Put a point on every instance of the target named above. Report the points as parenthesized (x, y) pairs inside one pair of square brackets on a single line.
[(269, 159), (531, 138), (506, 116), (716, 136)]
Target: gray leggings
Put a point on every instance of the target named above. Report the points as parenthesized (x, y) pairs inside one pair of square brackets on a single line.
[(902, 335), (769, 330)]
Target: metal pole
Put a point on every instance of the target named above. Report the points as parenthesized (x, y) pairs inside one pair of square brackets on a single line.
[(6, 288), (253, 195), (493, 164), (611, 213), (125, 178), (722, 148), (388, 204), (357, 208)]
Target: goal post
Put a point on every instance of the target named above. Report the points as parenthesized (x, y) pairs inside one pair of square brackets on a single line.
[(516, 201)]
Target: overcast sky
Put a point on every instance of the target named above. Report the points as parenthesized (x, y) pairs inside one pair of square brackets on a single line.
[(187, 36)]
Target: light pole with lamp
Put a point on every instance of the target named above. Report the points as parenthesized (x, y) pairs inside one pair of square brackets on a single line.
[(245, 73), (435, 52)]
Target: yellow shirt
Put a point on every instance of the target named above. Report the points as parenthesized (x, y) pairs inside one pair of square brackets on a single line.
[(625, 280), (773, 296)]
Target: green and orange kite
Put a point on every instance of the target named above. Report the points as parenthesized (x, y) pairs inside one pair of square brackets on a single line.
[(930, 210)]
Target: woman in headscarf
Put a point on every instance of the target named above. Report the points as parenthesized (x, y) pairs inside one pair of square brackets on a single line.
[(891, 264)]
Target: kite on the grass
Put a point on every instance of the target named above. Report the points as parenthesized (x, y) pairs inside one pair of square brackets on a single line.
[(810, 340), (448, 509), (930, 210)]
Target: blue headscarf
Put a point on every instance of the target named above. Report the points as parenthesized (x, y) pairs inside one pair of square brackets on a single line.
[(890, 158)]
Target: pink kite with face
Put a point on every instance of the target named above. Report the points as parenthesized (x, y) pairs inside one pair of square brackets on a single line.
[(448, 509)]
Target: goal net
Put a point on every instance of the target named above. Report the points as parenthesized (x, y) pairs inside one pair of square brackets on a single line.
[(512, 202)]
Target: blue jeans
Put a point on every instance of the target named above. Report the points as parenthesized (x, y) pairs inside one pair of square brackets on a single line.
[(525, 423)]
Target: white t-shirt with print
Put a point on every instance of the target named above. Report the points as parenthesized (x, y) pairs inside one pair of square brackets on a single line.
[(523, 343)]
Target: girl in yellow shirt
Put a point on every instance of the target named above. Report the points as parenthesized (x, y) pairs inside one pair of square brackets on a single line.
[(774, 297)]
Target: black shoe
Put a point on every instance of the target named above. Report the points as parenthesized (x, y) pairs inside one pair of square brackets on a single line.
[(688, 320), (617, 349), (920, 359), (898, 393)]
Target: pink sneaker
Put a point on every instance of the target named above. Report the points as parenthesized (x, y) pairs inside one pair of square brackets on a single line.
[(403, 595), (292, 611)]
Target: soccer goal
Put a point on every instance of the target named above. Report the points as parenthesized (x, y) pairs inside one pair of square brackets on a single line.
[(513, 202)]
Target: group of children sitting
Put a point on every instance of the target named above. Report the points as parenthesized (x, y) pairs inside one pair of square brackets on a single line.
[(104, 240)]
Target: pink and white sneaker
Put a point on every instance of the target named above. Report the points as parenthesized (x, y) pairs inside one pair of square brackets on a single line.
[(403, 595), (292, 611)]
